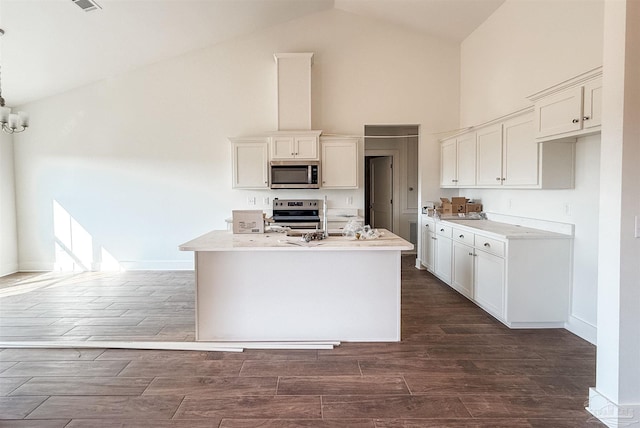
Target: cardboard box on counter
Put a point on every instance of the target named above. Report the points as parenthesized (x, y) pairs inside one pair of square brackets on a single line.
[(248, 221), (455, 206), (473, 208)]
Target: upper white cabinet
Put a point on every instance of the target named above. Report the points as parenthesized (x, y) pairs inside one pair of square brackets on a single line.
[(458, 161), (339, 157), (295, 145), (489, 156), (569, 109), (250, 165), (507, 154)]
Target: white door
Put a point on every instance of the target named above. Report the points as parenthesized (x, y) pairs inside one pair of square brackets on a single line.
[(381, 209)]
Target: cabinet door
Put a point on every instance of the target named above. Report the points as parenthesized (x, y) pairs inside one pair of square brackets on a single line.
[(306, 147), (592, 112), (521, 153), (489, 148), (489, 283), (462, 269), (424, 236), (250, 165), (430, 257), (559, 113), (466, 162), (443, 259), (340, 164), (282, 147), (448, 162)]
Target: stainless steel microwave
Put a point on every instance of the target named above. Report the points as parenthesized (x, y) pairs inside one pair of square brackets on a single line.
[(295, 174)]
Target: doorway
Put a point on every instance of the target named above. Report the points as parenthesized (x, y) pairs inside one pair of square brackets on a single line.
[(379, 191), (391, 178)]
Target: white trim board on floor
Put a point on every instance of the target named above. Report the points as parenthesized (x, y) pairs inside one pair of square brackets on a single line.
[(170, 346)]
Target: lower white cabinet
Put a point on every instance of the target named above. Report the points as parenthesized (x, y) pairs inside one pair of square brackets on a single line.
[(442, 262), (462, 269), (489, 283), (523, 281), (427, 243)]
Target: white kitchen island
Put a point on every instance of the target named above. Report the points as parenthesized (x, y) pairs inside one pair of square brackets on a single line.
[(275, 288)]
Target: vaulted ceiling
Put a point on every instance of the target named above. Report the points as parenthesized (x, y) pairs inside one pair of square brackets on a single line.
[(51, 46)]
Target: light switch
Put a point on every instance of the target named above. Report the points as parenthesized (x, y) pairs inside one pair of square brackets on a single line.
[(637, 234)]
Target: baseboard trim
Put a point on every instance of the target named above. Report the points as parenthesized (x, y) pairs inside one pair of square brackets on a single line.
[(611, 414), (158, 265), (582, 329)]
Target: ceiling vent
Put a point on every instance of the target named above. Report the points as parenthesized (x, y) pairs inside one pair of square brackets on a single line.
[(87, 5)]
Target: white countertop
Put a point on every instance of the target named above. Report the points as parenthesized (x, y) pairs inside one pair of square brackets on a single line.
[(504, 230), (222, 240)]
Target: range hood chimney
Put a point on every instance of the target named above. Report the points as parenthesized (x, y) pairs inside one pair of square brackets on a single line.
[(294, 90)]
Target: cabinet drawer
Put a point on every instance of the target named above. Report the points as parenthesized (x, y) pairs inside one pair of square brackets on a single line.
[(463, 236), (489, 245), (443, 230)]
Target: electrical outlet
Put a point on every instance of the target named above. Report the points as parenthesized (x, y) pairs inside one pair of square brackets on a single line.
[(265, 200), (349, 200), (567, 210), (251, 200), (509, 203)]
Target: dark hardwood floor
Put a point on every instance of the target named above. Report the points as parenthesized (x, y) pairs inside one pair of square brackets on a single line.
[(455, 367)]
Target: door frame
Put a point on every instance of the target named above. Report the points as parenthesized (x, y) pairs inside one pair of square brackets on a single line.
[(395, 159)]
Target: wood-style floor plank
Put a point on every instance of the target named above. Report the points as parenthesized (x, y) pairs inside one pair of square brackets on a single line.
[(455, 367), (105, 407)]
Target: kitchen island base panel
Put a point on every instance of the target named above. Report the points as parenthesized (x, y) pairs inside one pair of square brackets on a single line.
[(298, 295)]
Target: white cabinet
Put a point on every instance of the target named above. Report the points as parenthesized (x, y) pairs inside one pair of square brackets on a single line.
[(508, 155), (427, 243), (523, 281), (489, 283), (462, 276), (489, 156), (339, 167), (569, 109), (250, 163), (592, 105), (442, 253), (295, 145), (458, 161), (448, 163)]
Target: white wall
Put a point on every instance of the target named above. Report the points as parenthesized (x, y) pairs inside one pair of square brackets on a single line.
[(524, 47), (140, 163), (8, 234)]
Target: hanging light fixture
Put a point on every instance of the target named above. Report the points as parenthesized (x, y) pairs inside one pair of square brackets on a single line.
[(11, 122)]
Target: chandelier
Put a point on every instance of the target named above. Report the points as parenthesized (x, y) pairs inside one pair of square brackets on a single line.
[(11, 122)]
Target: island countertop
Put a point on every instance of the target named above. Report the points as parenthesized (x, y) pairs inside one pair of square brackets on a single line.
[(222, 240)]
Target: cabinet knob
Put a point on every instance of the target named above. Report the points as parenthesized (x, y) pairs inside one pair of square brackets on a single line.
[(441, 230), (433, 238), (471, 254), (486, 244), (461, 236), (426, 225), (503, 179), (575, 121), (497, 178), (586, 118)]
